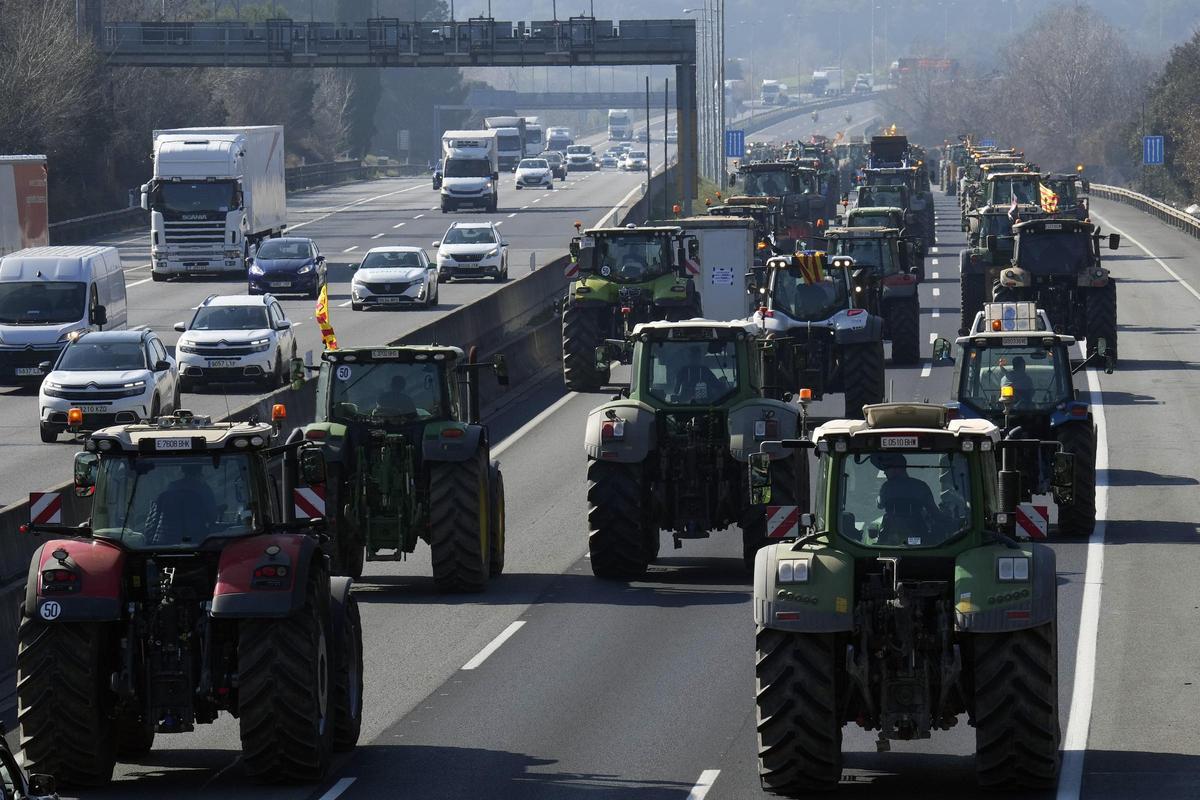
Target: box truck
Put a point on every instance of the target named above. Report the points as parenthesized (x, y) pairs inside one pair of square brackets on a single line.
[(216, 193), (24, 212), (535, 142), (471, 170), (726, 253), (510, 140), (620, 125)]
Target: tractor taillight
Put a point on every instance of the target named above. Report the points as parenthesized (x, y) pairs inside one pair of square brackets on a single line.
[(453, 433), (59, 581), (315, 435), (612, 430)]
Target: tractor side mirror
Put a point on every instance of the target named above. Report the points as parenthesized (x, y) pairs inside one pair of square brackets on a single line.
[(296, 372), (693, 248), (42, 785), (501, 368), (99, 315), (1063, 479), (574, 248), (312, 466), (941, 350), (1114, 241), (760, 478), (989, 241), (1110, 358), (733, 179), (46, 367), (86, 466)]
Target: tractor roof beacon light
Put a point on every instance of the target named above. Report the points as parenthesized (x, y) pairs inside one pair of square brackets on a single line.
[(75, 418)]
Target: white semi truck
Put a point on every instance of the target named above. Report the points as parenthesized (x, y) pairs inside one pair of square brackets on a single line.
[(471, 170), (510, 140), (773, 93), (215, 195), (24, 212), (620, 125)]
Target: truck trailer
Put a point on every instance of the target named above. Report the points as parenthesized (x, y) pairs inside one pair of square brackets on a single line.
[(24, 212), (510, 140)]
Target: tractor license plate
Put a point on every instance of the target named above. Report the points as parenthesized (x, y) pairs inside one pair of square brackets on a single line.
[(388, 299), (897, 441), (222, 362), (384, 354), (93, 409), (29, 370), (172, 444), (1016, 341)]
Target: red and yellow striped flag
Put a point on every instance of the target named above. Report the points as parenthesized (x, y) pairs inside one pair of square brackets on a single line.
[(322, 315), (1049, 199)]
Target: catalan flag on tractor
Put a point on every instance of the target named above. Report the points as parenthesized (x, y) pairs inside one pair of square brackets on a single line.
[(811, 265), (322, 315), (1049, 199)]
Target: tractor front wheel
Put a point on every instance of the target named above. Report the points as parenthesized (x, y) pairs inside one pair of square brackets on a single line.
[(1101, 320), (1078, 518)]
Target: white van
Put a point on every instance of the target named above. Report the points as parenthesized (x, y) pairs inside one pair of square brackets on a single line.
[(47, 294)]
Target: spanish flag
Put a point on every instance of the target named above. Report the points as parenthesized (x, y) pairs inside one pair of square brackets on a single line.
[(322, 315), (1049, 199)]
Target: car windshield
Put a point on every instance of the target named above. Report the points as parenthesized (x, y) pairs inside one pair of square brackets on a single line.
[(468, 168), (800, 300), (151, 502), (391, 259), (579, 149), (41, 302), (633, 258), (768, 183), (230, 318), (686, 373), (533, 163), (901, 500), (85, 355), (1053, 253), (875, 253), (385, 391), (469, 236), (194, 197), (284, 248), (1040, 377)]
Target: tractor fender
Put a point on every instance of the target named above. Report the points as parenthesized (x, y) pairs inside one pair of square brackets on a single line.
[(822, 604), (984, 604), (752, 422), (451, 441), (856, 328), (237, 595), (330, 435), (100, 566), (637, 440), (1075, 412)]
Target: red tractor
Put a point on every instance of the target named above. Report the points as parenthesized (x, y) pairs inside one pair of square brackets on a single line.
[(190, 591)]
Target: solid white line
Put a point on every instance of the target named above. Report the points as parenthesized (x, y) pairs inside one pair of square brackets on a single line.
[(337, 789), (350, 249), (936, 291), (378, 236), (1079, 719), (707, 779), (926, 370), (513, 437), (494, 645), (400, 225), (1142, 247)]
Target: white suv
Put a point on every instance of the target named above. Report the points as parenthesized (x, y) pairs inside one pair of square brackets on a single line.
[(472, 250), (113, 377), (580, 156), (237, 337)]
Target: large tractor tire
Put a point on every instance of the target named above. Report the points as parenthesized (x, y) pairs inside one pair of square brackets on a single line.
[(459, 522), (1078, 518), (583, 331), (618, 529), (1016, 708), (348, 679), (797, 698), (862, 376), (286, 690), (904, 324), (496, 531), (134, 733), (64, 701), (971, 294), (1101, 320)]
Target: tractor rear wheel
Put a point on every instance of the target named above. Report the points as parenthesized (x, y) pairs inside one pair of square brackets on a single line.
[(904, 324), (135, 735), (348, 680), (63, 700), (617, 527), (1101, 320), (796, 694), (1078, 518), (285, 690), (459, 520), (583, 331), (862, 376), (496, 531), (1016, 708)]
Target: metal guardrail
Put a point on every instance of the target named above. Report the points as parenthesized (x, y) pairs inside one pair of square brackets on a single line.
[(1168, 214)]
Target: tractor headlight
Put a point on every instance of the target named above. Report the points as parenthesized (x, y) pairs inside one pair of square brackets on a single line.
[(792, 570), (1012, 569)]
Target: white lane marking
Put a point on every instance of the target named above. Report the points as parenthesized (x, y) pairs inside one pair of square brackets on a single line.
[(513, 437), (352, 205), (138, 283), (418, 216), (934, 262), (135, 269), (399, 225), (138, 327), (936, 291), (433, 208), (538, 200), (337, 789), (1079, 720), (932, 337), (707, 779), (933, 249), (510, 216), (350, 249), (501, 222), (935, 313), (494, 645), (934, 275), (927, 370), (524, 207), (378, 236), (1158, 260)]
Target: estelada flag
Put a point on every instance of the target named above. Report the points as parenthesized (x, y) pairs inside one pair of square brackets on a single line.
[(1049, 199), (322, 315), (812, 266)]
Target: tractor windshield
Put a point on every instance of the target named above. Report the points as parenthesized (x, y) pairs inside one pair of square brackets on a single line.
[(995, 225), (874, 219), (893, 196), (1025, 191), (1040, 377), (690, 373), (1065, 188), (384, 392), (795, 296), (769, 183), (1053, 253), (876, 254), (633, 258), (892, 499), (175, 502)]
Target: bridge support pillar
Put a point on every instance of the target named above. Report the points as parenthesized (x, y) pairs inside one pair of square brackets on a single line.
[(688, 147)]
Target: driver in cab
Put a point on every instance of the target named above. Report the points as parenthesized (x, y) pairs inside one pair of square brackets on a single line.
[(909, 510), (185, 510), (694, 382)]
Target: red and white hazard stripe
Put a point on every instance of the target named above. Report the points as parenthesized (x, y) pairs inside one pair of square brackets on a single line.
[(783, 522), (571, 269), (309, 501), (45, 508), (1033, 522), (693, 267)]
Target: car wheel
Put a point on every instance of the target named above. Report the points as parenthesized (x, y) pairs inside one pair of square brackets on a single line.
[(49, 433), (175, 401), (356, 307), (155, 409), (431, 294)]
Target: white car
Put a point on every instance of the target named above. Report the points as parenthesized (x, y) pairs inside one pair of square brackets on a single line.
[(394, 276), (234, 338), (635, 160), (580, 156), (113, 377), (472, 250), (534, 173)]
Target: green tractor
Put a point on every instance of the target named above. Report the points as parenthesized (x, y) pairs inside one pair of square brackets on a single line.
[(407, 460), (622, 277), (989, 249), (901, 602)]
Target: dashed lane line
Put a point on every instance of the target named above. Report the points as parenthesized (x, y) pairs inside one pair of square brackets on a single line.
[(378, 236), (338, 789), (350, 249), (707, 778), (399, 225), (494, 645)]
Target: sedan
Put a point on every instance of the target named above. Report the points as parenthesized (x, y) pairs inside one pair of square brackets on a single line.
[(534, 173), (290, 265), (394, 276)]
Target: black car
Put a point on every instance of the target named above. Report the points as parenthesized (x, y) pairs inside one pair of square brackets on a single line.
[(558, 164), (437, 173), (288, 265), (16, 784)]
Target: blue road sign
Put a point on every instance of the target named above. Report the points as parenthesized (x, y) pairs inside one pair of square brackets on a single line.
[(987, 142), (1153, 150), (735, 144)]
